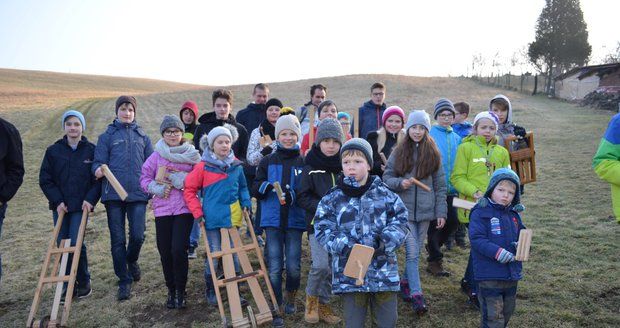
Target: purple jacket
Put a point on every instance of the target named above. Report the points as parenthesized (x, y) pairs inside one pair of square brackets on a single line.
[(174, 204)]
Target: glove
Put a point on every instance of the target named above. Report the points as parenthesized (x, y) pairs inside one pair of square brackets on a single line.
[(289, 197), (519, 131), (266, 151), (504, 256), (177, 179), (156, 189)]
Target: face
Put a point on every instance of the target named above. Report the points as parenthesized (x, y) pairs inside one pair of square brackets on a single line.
[(504, 192), (500, 111), (394, 124), (287, 138), (187, 115), (222, 108), (356, 166), (221, 146), (260, 96), (329, 146), (73, 127), (377, 96), (445, 118), (328, 111), (126, 113), (318, 97), (416, 132), (346, 125), (273, 113), (486, 128), (172, 137), (460, 117)]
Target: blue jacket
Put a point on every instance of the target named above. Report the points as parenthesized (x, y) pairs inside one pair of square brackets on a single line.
[(447, 141), (370, 118), (66, 175), (462, 129), (492, 226), (123, 147)]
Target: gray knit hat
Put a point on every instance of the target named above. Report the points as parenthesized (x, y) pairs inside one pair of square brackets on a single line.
[(329, 128), (442, 105), (418, 117), (361, 145), (288, 122), (226, 129), (170, 121)]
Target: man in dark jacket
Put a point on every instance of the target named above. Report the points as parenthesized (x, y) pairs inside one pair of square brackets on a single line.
[(318, 94), (11, 167), (251, 116), (371, 111)]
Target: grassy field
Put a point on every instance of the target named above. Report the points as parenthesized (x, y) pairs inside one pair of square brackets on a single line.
[(571, 280)]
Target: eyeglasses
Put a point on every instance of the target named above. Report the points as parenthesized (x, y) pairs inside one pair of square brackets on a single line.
[(377, 94), (445, 115), (171, 133)]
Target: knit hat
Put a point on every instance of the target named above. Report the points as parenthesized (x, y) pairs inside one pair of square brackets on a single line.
[(288, 122), (324, 104), (418, 117), (504, 174), (488, 115), (273, 102), (75, 113), (190, 105), (329, 128), (342, 115), (170, 121), (287, 111), (228, 130), (125, 99), (361, 145), (442, 105), (392, 110)]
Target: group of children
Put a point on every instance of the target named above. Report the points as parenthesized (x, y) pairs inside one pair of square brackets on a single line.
[(333, 190)]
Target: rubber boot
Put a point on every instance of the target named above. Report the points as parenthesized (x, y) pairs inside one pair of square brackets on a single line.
[(311, 314)]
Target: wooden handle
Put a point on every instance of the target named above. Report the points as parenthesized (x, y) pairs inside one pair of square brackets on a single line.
[(419, 184), (356, 124), (279, 192), (461, 203), (311, 112), (114, 182)]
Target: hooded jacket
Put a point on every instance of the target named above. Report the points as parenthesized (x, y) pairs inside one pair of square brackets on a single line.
[(189, 128), (606, 162), (209, 121), (448, 142), (507, 129), (11, 161), (370, 118)]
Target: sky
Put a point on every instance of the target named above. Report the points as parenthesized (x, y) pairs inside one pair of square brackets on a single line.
[(246, 42)]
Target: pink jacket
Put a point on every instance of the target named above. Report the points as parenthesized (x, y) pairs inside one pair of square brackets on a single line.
[(174, 204)]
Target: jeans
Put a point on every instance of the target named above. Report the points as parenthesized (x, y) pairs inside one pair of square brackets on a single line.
[(319, 277), (123, 252), (2, 214), (438, 237), (69, 229), (383, 307), (172, 233), (194, 236), (279, 243), (413, 244), (497, 302), (214, 238)]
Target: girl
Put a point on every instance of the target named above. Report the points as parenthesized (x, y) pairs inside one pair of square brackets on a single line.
[(189, 116), (477, 157), (173, 220), (256, 151), (383, 140), (327, 109), (417, 156)]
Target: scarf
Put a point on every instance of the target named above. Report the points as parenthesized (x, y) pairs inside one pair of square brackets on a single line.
[(210, 158), (267, 128), (351, 187), (318, 160), (184, 153), (288, 152)]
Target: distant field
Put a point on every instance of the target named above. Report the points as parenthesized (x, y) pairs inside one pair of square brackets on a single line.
[(571, 281)]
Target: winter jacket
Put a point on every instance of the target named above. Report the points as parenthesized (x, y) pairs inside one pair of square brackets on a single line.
[(462, 129), (123, 147), (251, 116), (255, 151), (470, 172), (11, 161), (209, 121), (606, 162), (390, 142), (284, 166), (507, 129), (447, 141), (492, 227), (422, 205), (342, 221), (66, 175), (370, 118)]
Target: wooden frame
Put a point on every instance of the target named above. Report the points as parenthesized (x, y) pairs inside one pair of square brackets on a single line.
[(523, 161)]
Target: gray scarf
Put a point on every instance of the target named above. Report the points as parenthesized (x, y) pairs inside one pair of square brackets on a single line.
[(209, 156), (184, 153)]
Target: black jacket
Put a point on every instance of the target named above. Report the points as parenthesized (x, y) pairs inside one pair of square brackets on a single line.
[(390, 144), (66, 175), (209, 121), (251, 116), (11, 161)]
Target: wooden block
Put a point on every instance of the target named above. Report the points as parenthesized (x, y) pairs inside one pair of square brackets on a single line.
[(358, 263), (461, 203), (161, 175), (114, 182), (420, 184), (279, 192), (523, 248), (356, 124), (311, 112)]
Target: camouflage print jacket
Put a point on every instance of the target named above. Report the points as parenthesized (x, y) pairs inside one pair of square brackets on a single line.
[(377, 216)]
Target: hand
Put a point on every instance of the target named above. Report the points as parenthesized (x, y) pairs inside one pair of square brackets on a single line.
[(98, 173), (157, 189), (266, 151), (478, 194), (441, 222), (505, 256), (167, 189), (177, 179), (61, 208), (406, 183), (86, 206), (383, 167)]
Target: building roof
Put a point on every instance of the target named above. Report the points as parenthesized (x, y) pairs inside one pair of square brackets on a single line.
[(586, 71)]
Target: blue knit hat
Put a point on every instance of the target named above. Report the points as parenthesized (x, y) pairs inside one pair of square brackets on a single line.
[(342, 115), (361, 145), (442, 105), (505, 174), (418, 117), (73, 112)]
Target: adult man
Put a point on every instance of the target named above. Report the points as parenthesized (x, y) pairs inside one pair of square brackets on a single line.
[(318, 92), (371, 111), (251, 116)]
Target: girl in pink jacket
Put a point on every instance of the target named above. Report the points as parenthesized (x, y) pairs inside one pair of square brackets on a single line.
[(173, 220)]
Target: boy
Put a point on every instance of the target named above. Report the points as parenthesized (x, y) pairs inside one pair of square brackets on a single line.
[(371, 111), (494, 232), (500, 105), (460, 125), (341, 221)]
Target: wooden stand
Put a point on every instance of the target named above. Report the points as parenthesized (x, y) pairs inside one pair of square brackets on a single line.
[(523, 246), (358, 263), (523, 161), (57, 276), (230, 282)]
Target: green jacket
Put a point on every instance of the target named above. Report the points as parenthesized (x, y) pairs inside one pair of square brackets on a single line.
[(606, 162), (470, 173)]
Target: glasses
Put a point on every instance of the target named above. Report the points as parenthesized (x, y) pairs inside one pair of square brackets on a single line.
[(445, 115), (170, 133), (377, 94)]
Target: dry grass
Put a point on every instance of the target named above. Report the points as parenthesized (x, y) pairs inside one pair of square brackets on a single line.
[(571, 280)]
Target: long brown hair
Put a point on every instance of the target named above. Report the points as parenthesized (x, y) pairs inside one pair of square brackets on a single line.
[(428, 159)]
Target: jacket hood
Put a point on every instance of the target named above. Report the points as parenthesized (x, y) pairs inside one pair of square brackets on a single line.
[(212, 118), (192, 106), (501, 96)]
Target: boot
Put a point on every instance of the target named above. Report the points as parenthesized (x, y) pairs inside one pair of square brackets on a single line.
[(289, 302), (436, 269), (419, 304), (180, 299), (327, 315), (210, 292), (170, 301), (311, 315)]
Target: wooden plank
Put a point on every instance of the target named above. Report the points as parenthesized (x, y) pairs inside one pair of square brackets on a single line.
[(523, 246), (461, 203), (358, 263), (74, 266), (114, 182), (356, 123), (312, 113), (61, 274), (220, 306)]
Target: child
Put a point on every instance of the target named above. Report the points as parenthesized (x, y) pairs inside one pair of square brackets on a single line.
[(219, 180), (606, 162), (477, 158), (327, 109), (282, 219), (494, 232), (189, 116), (417, 157), (362, 210), (124, 147), (173, 220), (447, 142), (70, 187), (385, 139), (345, 120), (500, 105), (460, 125), (322, 167)]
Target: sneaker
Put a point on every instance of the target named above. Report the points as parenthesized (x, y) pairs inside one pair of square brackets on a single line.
[(289, 302), (84, 290), (124, 292), (134, 270), (261, 241), (191, 253), (419, 304), (405, 291), (63, 296)]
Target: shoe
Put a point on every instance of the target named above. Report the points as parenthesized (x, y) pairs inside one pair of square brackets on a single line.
[(124, 292), (63, 296), (181, 303), (134, 270), (289, 302), (327, 315), (170, 301), (277, 322), (405, 291), (473, 301), (84, 290), (311, 313), (191, 253), (261, 242), (419, 304), (436, 269)]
